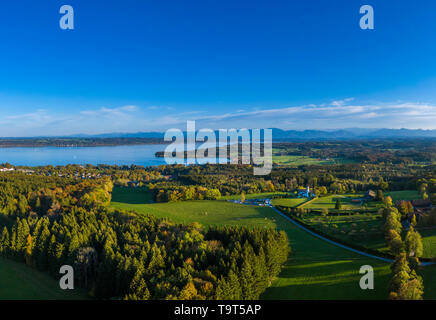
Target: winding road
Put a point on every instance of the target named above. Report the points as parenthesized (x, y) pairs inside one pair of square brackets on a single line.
[(424, 264)]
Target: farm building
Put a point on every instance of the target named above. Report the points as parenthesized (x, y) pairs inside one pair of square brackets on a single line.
[(421, 208), (305, 193), (369, 196)]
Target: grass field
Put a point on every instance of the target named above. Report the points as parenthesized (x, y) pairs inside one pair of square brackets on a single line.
[(299, 160), (403, 195), (263, 195), (429, 276), (319, 270), (344, 227), (131, 195), (429, 241), (288, 202), (315, 270), (17, 281), (295, 160), (206, 212), (329, 202), (364, 229)]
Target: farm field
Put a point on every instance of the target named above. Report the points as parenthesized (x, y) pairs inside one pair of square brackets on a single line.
[(290, 160), (404, 195), (347, 228), (131, 195), (288, 202), (319, 270), (365, 230), (295, 161), (19, 281), (263, 195), (329, 202), (206, 212), (429, 276), (429, 242), (315, 270)]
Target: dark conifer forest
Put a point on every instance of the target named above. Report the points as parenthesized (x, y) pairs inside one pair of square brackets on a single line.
[(47, 222)]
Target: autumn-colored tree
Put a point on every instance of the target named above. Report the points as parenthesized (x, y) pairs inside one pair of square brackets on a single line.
[(380, 196), (394, 241), (413, 221), (29, 249), (413, 243), (189, 292), (387, 201), (242, 197)]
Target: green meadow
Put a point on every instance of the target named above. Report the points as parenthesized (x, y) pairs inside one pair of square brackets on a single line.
[(289, 202), (131, 195), (429, 241), (290, 160), (207, 212), (315, 269), (298, 160), (18, 281), (404, 195), (319, 270), (329, 202), (263, 195)]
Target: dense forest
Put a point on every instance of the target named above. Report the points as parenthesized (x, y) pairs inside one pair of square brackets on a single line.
[(56, 215), (213, 181), (47, 222), (375, 151), (180, 182)]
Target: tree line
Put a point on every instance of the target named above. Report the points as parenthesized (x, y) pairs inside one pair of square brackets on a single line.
[(120, 254), (405, 284)]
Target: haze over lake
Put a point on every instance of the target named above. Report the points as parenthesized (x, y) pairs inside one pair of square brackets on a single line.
[(113, 155)]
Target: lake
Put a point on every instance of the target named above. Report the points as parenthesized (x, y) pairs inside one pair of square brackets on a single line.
[(113, 155)]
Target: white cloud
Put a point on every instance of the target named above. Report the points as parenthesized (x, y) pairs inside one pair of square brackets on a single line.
[(338, 114), (117, 112), (37, 116), (338, 103)]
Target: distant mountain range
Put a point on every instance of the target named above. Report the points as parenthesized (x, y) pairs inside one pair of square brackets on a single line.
[(288, 135), (122, 135), (350, 134), (278, 135)]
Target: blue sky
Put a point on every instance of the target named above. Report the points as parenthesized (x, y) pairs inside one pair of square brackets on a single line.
[(147, 65)]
